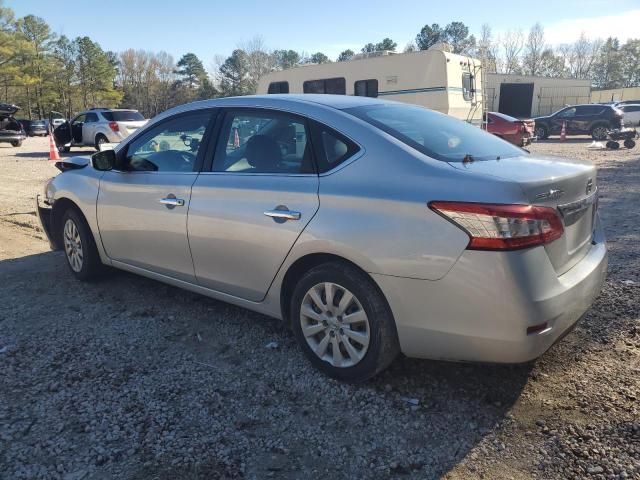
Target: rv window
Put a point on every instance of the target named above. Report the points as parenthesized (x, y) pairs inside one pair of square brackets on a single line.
[(336, 86), (366, 88), (278, 87), (467, 86)]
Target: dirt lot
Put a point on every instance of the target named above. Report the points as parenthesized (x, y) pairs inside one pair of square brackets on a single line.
[(131, 379)]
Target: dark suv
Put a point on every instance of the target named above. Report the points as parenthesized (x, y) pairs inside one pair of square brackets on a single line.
[(591, 119)]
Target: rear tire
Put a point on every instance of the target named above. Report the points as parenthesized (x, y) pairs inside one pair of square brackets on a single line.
[(79, 246), (361, 329), (64, 149), (600, 132), (100, 139), (541, 132)]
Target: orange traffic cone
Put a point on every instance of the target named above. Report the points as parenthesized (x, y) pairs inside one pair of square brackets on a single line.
[(563, 132), (53, 150)]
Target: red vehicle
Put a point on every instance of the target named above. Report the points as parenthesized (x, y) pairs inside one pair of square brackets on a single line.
[(518, 132)]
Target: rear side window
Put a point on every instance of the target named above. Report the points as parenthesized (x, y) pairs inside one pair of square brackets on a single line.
[(631, 108), (589, 110), (332, 148), (467, 86), (122, 116), (278, 87), (437, 135), (366, 88), (333, 86)]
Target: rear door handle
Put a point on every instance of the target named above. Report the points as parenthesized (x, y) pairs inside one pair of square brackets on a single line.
[(283, 215)]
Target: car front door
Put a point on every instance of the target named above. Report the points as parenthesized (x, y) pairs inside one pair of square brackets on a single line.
[(249, 209), (563, 116), (76, 129), (142, 206)]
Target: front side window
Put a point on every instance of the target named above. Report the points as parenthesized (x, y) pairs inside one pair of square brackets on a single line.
[(278, 87), (437, 135), (568, 113), (467, 86), (91, 118), (366, 88), (78, 119), (334, 86), (171, 146), (263, 142)]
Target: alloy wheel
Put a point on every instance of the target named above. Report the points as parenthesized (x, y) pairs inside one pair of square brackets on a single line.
[(600, 133), (73, 246), (335, 325)]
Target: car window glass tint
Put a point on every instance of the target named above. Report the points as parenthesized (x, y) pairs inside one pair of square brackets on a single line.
[(333, 148), (569, 112), (91, 117), (171, 146), (263, 142), (437, 135)]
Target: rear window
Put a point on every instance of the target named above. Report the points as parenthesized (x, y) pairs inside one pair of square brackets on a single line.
[(38, 123), (503, 116), (123, 116), (437, 135)]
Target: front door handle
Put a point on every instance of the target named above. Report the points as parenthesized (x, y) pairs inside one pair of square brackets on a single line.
[(172, 202), (283, 215)]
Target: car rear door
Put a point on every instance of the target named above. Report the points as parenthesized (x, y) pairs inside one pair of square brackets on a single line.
[(247, 212), (89, 129), (142, 207)]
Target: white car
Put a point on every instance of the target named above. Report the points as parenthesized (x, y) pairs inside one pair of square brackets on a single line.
[(96, 127), (631, 114)]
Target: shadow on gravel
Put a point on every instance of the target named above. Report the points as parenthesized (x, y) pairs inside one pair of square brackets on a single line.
[(202, 392), (36, 155)]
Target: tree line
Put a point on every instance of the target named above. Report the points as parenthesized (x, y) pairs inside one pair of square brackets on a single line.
[(42, 71)]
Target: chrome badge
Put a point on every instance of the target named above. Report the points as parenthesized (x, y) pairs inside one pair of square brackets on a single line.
[(551, 194), (589, 186)]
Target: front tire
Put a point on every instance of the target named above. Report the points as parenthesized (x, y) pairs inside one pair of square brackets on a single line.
[(79, 247), (64, 149), (17, 143), (343, 323), (541, 132)]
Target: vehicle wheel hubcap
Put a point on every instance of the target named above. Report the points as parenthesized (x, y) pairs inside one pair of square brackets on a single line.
[(73, 245), (335, 325)]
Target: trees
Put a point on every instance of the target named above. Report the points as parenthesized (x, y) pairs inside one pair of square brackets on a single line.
[(345, 55), (385, 44), (533, 51), (285, 59), (608, 67), (511, 43), (233, 74), (319, 57), (455, 33)]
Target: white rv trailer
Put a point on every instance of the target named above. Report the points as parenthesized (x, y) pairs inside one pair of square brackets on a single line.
[(434, 78)]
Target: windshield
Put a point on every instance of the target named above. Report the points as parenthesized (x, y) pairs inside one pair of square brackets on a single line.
[(38, 123), (123, 116), (437, 135)]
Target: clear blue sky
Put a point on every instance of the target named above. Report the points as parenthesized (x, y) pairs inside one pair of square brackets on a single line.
[(214, 27)]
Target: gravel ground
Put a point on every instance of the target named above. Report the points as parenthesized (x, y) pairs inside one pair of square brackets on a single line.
[(131, 379)]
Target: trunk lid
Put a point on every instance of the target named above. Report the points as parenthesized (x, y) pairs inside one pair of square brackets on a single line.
[(128, 127), (567, 185)]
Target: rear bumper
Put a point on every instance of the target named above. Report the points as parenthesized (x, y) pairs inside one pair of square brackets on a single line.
[(481, 310), (12, 137)]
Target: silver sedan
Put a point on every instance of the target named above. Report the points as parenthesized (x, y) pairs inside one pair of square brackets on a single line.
[(369, 227)]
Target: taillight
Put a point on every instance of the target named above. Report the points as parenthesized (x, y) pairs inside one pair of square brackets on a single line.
[(114, 126), (502, 227)]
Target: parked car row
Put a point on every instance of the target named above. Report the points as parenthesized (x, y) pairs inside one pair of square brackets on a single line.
[(11, 130)]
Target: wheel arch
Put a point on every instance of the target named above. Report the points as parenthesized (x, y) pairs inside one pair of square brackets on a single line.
[(304, 264)]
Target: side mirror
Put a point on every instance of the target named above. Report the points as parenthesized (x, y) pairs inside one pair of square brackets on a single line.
[(104, 161)]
